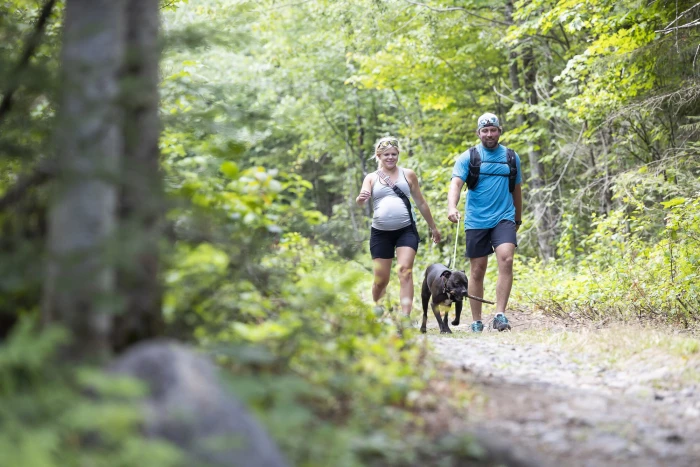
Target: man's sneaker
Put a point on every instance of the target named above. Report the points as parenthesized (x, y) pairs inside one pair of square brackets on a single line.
[(477, 326), (500, 322)]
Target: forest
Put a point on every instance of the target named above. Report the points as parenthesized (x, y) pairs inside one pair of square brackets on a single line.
[(186, 171)]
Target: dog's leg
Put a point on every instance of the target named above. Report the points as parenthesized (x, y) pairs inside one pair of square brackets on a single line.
[(436, 312), (458, 312), (425, 297), (445, 322)]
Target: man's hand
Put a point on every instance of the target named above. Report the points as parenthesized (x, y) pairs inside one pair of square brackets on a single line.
[(453, 215)]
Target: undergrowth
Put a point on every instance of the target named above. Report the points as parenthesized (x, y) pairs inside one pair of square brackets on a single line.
[(639, 263)]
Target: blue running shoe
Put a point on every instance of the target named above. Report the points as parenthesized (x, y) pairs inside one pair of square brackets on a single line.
[(500, 323), (477, 326)]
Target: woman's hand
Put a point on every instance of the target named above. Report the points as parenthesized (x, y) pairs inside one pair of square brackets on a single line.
[(362, 197), (436, 235)]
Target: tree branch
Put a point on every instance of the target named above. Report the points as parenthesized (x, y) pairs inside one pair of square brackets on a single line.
[(40, 175), (29, 49), (681, 15), (684, 26), (458, 8)]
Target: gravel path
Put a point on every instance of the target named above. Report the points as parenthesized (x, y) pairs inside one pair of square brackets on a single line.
[(569, 409)]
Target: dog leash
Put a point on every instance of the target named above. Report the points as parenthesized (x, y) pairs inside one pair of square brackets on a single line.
[(454, 256)]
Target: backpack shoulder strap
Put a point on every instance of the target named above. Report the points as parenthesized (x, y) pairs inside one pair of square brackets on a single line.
[(474, 167), (510, 159)]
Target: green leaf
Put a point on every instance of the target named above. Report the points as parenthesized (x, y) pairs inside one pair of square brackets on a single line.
[(230, 169), (673, 202)]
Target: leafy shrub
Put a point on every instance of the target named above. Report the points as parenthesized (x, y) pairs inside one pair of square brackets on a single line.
[(639, 262), (56, 415)]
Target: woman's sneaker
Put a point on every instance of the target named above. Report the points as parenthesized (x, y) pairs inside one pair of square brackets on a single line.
[(500, 323), (477, 326)]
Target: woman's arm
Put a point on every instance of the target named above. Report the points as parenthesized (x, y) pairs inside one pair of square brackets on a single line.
[(365, 190), (421, 203)]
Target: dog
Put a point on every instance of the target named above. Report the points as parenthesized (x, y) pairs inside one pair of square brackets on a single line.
[(445, 286)]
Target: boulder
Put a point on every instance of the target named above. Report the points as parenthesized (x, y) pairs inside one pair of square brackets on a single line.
[(188, 406)]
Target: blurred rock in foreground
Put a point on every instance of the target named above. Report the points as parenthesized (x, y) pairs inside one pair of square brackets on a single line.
[(188, 406)]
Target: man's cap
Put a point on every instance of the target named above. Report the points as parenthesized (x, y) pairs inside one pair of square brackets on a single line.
[(488, 119)]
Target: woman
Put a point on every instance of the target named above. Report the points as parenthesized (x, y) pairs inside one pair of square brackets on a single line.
[(393, 226)]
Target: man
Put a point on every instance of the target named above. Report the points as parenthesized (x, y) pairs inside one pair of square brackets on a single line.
[(492, 215)]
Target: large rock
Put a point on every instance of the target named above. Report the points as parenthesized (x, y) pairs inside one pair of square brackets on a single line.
[(188, 406)]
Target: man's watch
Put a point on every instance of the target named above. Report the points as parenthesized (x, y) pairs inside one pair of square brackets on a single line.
[(518, 222)]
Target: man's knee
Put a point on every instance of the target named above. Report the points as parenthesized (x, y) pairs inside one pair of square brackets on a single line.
[(477, 271), (505, 261)]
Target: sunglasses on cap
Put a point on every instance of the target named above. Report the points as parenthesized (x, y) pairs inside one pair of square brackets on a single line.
[(388, 142), (488, 121)]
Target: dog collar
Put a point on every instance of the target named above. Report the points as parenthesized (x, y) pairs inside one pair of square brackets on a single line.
[(444, 276)]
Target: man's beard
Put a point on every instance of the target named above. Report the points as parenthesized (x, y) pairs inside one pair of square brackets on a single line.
[(490, 144)]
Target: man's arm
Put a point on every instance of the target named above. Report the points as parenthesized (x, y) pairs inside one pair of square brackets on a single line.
[(453, 199), (518, 202)]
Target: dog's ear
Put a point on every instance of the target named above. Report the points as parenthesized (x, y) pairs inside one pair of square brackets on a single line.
[(463, 271)]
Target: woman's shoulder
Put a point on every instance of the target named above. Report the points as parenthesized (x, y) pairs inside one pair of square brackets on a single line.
[(371, 176), (408, 173)]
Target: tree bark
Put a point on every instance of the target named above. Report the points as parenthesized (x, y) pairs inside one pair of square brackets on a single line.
[(543, 214), (361, 142), (80, 281), (141, 204), (30, 47)]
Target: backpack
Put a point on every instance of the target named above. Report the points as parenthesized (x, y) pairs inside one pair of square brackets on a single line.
[(475, 168)]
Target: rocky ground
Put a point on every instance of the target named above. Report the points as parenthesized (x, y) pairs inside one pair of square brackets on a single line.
[(617, 396)]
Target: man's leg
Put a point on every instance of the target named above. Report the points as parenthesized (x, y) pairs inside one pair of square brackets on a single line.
[(477, 270), (382, 271), (504, 255), (405, 256)]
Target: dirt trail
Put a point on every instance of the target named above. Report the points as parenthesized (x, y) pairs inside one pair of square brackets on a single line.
[(571, 409)]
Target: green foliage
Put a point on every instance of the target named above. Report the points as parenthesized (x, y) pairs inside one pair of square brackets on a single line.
[(627, 267), (270, 112), (334, 384), (53, 415)]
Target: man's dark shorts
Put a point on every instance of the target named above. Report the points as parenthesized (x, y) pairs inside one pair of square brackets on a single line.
[(483, 242), (382, 243)]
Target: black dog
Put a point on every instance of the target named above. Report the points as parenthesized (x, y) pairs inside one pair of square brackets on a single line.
[(445, 286)]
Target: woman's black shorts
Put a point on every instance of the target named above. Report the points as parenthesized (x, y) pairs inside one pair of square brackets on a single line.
[(383, 243)]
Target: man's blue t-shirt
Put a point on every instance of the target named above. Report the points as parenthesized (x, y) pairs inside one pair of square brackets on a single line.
[(490, 202)]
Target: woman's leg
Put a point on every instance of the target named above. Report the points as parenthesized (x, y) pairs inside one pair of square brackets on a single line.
[(382, 271), (405, 256)]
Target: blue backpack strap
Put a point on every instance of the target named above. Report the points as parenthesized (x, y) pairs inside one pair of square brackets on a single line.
[(510, 159), (474, 168)]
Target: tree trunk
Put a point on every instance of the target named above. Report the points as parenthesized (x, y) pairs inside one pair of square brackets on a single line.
[(543, 215), (80, 280), (141, 202), (361, 143)]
